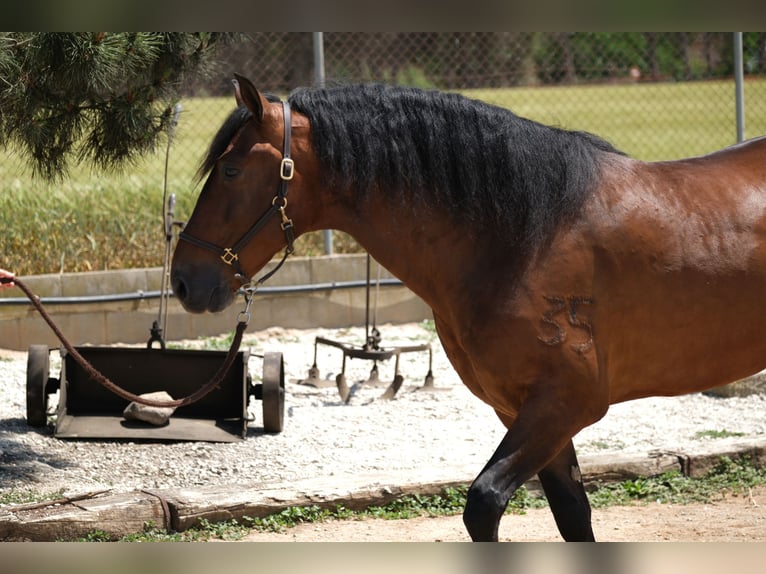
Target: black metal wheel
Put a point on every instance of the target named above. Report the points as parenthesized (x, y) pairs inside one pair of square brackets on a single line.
[(38, 370), (273, 395)]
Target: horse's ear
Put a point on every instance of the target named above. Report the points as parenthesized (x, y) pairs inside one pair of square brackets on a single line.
[(247, 95)]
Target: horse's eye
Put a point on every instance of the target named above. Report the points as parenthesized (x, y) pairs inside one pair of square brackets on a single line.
[(229, 171)]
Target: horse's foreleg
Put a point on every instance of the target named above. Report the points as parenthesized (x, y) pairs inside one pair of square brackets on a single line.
[(490, 492), (532, 445), (563, 487)]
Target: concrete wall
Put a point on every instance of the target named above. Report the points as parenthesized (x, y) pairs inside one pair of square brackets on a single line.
[(129, 321)]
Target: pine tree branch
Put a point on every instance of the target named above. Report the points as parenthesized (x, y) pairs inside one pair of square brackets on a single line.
[(100, 97)]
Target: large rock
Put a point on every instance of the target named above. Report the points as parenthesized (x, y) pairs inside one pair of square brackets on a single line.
[(157, 416)]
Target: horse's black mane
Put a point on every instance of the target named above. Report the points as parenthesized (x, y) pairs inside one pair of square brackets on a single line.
[(501, 173)]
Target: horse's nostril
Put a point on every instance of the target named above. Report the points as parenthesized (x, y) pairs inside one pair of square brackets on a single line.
[(179, 288)]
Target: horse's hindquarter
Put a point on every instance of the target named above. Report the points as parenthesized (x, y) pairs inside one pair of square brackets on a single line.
[(680, 272)]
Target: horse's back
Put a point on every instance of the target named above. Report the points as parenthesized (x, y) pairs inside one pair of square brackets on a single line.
[(680, 271)]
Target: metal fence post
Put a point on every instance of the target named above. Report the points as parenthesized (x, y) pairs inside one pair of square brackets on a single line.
[(319, 78), (739, 87)]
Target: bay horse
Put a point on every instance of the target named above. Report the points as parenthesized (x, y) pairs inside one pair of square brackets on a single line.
[(563, 275)]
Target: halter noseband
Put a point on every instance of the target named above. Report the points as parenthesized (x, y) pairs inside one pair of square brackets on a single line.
[(230, 255)]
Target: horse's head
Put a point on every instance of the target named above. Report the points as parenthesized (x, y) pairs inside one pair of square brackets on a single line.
[(241, 217)]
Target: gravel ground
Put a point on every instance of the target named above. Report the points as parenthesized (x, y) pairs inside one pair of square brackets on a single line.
[(323, 437)]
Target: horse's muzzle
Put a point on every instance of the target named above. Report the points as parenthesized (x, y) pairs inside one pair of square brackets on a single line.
[(200, 291)]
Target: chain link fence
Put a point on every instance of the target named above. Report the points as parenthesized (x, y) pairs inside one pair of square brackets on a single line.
[(654, 95), (464, 60)]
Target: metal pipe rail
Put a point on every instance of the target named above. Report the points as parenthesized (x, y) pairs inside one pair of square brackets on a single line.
[(146, 295)]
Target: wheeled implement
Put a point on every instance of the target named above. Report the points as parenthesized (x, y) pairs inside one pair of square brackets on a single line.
[(87, 410)]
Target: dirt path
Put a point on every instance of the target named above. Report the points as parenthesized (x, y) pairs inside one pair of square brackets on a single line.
[(733, 518)]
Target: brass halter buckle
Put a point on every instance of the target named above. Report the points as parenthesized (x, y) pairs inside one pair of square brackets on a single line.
[(229, 256), (287, 169)]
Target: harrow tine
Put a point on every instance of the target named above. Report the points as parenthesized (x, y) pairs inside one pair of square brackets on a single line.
[(428, 384), (343, 390), (374, 378), (393, 388), (314, 380)]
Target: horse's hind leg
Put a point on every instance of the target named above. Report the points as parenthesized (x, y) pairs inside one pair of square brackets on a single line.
[(562, 483)]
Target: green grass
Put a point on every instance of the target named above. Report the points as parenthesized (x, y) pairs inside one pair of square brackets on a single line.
[(97, 221), (25, 496), (648, 121), (728, 476), (605, 445), (717, 434)]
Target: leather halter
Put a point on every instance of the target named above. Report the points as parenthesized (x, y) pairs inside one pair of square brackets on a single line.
[(230, 255)]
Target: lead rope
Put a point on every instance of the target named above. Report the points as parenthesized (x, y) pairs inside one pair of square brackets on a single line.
[(242, 320)]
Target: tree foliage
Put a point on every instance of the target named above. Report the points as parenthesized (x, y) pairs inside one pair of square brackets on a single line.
[(96, 97)]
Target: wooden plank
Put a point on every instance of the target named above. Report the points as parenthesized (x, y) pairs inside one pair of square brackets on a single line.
[(189, 506), (618, 467), (127, 513), (116, 514)]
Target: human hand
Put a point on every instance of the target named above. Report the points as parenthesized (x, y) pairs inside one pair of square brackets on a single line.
[(6, 279)]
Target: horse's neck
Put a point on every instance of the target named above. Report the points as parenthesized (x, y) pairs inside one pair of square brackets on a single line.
[(427, 252)]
